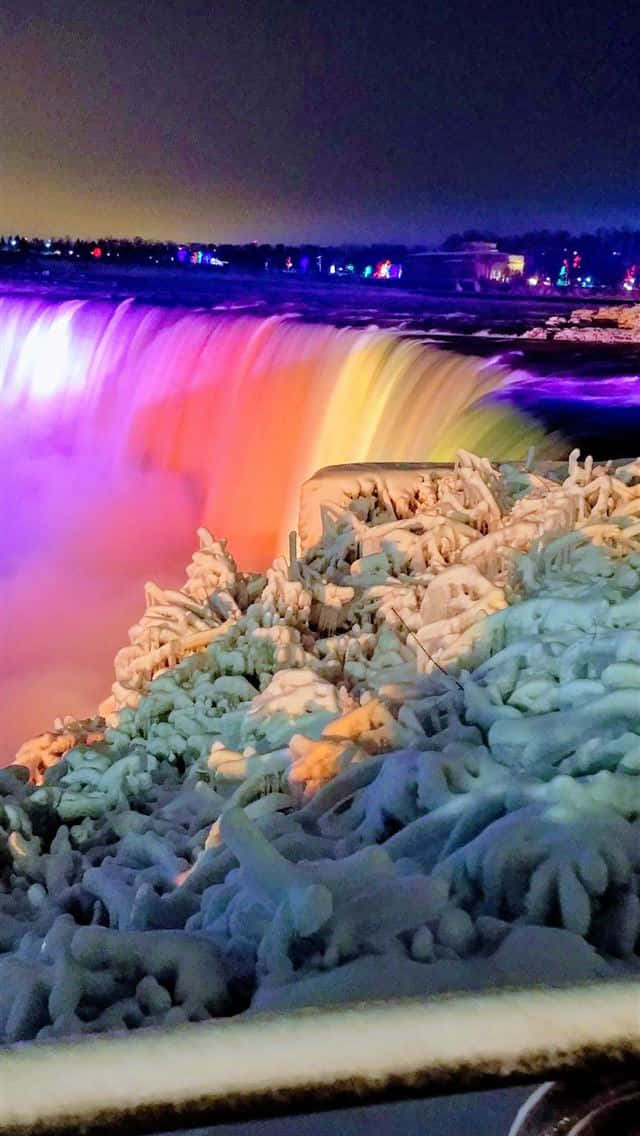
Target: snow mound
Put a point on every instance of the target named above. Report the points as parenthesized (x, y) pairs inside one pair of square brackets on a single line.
[(406, 761)]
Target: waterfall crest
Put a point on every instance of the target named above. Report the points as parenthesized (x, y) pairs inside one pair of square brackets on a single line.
[(124, 426)]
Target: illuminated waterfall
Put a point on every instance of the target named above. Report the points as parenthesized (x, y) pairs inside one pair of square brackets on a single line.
[(123, 426)]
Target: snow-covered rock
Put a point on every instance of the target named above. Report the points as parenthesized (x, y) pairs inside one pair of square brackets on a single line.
[(611, 324)]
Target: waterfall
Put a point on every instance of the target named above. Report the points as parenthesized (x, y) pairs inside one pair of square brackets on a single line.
[(124, 426)]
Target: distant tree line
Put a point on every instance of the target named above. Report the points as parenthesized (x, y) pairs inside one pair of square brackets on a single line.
[(607, 258), (253, 258)]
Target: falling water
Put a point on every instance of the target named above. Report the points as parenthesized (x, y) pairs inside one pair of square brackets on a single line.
[(123, 427)]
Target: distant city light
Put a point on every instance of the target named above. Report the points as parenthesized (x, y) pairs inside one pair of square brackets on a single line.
[(96, 252), (563, 277), (383, 270), (630, 278)]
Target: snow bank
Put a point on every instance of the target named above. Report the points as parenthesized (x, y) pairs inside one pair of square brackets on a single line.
[(405, 761)]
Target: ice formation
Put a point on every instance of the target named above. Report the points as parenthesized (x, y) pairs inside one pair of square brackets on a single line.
[(406, 759)]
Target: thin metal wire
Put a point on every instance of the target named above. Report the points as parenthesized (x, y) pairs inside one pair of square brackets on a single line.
[(424, 649)]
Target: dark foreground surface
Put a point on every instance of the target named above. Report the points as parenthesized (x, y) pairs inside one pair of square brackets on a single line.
[(484, 1114)]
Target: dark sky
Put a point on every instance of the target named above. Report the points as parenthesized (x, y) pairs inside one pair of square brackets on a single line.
[(317, 119)]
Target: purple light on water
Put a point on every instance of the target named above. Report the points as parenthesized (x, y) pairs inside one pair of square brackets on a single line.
[(611, 391)]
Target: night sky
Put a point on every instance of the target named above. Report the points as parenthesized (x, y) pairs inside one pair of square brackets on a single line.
[(316, 119)]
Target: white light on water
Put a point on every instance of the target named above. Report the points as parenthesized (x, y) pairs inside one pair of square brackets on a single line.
[(45, 367)]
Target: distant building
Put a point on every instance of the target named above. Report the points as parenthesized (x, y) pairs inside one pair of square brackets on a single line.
[(462, 270)]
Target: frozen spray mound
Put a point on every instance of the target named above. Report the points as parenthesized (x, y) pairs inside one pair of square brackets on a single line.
[(124, 426), (292, 804)]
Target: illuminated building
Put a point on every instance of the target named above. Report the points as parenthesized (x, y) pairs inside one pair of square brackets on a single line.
[(465, 268)]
